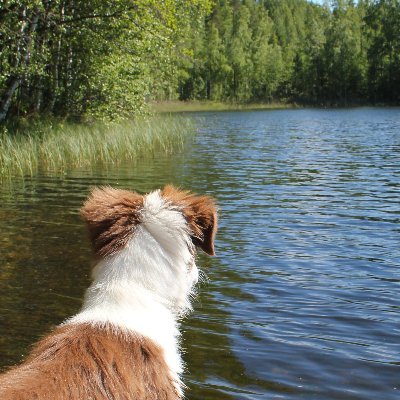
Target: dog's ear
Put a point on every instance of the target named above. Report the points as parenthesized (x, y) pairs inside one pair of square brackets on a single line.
[(200, 213), (111, 216)]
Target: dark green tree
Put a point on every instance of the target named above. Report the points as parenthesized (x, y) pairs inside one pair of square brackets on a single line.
[(344, 57), (91, 57), (383, 32)]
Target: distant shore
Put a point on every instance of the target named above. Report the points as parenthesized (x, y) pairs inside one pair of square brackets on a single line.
[(175, 106)]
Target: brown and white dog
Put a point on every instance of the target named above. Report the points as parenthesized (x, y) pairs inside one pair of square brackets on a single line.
[(123, 344)]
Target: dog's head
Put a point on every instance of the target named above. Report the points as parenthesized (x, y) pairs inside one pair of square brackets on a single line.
[(152, 239)]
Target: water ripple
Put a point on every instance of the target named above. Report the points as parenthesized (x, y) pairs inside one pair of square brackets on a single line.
[(302, 300)]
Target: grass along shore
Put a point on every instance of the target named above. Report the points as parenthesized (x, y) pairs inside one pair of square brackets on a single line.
[(55, 146), (175, 106)]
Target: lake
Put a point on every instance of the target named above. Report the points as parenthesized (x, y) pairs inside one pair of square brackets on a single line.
[(303, 298)]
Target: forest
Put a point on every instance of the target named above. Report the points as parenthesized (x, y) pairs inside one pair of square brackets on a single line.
[(108, 60)]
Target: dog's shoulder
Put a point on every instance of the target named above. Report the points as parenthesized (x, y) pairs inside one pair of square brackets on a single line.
[(82, 361)]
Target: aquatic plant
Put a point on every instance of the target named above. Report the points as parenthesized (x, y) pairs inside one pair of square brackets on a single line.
[(49, 146)]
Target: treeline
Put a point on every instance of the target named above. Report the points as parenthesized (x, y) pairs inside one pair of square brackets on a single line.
[(339, 53), (91, 57), (108, 59)]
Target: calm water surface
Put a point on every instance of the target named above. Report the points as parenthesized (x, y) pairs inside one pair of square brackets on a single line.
[(303, 298)]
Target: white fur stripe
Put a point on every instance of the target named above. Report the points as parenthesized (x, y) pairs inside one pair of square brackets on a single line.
[(146, 286)]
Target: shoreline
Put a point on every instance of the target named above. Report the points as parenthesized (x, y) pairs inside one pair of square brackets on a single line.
[(178, 106)]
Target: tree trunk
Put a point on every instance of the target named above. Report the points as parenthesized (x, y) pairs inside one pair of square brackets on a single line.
[(12, 85), (55, 66), (14, 81)]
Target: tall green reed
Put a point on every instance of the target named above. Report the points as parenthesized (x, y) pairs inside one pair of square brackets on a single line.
[(56, 147)]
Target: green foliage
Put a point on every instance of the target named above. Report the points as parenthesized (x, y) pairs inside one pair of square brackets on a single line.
[(295, 50), (383, 33), (343, 49), (91, 57), (106, 60)]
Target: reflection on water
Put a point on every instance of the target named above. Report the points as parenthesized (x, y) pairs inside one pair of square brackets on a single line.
[(302, 299)]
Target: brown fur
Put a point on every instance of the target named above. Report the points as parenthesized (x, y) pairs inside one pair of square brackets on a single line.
[(111, 216), (200, 213), (82, 362)]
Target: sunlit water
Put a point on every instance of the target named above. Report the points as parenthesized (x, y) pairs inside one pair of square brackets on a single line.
[(303, 298)]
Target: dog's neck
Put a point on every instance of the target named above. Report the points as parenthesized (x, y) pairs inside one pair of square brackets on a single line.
[(146, 287)]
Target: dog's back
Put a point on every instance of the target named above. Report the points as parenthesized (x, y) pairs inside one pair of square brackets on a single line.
[(123, 344), (81, 362)]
